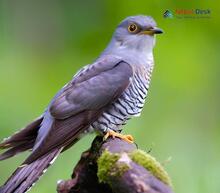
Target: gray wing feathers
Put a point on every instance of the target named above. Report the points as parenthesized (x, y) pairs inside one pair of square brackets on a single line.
[(101, 65), (72, 111), (92, 89), (79, 104)]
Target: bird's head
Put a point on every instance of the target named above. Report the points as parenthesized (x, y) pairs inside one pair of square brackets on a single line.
[(135, 33)]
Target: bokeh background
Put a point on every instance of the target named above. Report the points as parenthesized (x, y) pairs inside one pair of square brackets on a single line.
[(43, 43)]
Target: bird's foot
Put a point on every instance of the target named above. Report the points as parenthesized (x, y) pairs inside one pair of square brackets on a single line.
[(113, 134)]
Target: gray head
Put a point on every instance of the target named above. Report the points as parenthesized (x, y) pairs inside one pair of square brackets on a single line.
[(134, 33)]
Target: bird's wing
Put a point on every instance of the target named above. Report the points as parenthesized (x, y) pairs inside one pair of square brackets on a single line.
[(81, 102), (92, 88)]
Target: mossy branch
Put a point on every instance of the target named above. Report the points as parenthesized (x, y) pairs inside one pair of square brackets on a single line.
[(116, 166)]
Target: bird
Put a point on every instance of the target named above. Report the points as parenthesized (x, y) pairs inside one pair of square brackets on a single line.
[(101, 97)]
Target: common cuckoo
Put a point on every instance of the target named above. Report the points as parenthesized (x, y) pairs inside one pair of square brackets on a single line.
[(102, 96)]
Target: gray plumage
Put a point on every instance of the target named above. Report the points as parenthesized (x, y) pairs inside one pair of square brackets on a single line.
[(101, 96), (128, 105)]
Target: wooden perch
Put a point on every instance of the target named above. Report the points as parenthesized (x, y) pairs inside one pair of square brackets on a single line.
[(116, 166)]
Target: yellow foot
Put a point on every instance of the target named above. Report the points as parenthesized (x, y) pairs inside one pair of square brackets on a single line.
[(114, 134)]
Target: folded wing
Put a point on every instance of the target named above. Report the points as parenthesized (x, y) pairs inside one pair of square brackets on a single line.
[(81, 102)]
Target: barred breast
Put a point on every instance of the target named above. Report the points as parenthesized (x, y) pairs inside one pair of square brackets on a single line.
[(128, 105)]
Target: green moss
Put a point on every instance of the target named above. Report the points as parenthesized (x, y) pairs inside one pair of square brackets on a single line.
[(120, 169), (107, 166), (151, 164)]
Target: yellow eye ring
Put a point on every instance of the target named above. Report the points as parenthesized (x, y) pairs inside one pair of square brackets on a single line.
[(132, 28)]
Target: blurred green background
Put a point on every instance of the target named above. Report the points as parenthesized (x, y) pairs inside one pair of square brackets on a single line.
[(43, 43)]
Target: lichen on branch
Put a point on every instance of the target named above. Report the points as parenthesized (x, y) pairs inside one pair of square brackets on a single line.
[(151, 164), (116, 166)]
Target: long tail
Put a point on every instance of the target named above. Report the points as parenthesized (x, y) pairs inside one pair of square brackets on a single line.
[(60, 136), (21, 141), (25, 176)]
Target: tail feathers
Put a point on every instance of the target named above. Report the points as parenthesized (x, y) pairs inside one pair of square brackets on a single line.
[(22, 136), (21, 141), (25, 176), (15, 150)]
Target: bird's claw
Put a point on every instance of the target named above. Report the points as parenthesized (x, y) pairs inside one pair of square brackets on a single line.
[(113, 134)]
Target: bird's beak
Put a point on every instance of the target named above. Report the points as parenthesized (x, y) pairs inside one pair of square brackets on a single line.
[(152, 31)]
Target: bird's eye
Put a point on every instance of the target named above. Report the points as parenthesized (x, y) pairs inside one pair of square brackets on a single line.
[(133, 28)]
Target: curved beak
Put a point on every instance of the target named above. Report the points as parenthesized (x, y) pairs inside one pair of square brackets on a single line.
[(152, 31), (156, 30)]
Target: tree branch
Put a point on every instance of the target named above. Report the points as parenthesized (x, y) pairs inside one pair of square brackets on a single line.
[(116, 166)]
